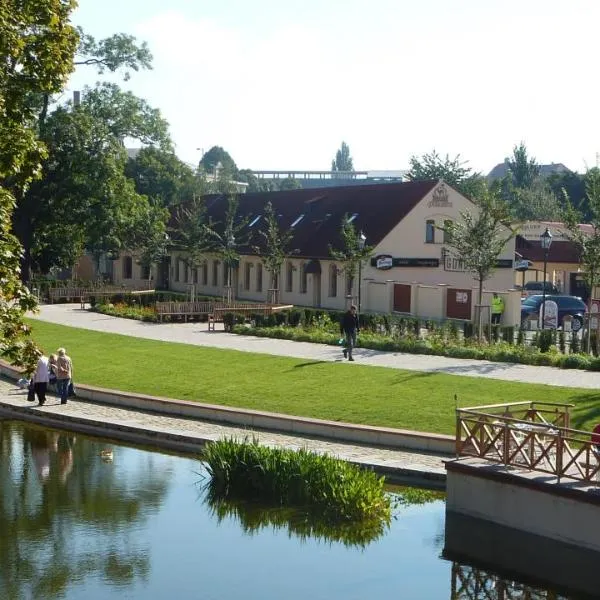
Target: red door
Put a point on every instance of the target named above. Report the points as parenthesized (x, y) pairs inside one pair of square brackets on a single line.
[(458, 304), (402, 297)]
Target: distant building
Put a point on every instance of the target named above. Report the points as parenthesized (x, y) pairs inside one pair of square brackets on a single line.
[(501, 169), (322, 179)]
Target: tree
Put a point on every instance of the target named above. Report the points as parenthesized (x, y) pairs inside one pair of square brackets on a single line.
[(588, 242), (37, 44), (477, 240), (342, 160), (452, 170), (538, 202), (227, 237), (192, 233), (218, 156), (522, 169), (161, 176), (351, 255), (151, 237), (289, 183), (275, 246), (83, 190)]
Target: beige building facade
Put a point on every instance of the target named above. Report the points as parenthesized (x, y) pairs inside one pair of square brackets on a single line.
[(410, 271)]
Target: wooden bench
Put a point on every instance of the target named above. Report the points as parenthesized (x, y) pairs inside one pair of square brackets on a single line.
[(184, 309), (110, 292)]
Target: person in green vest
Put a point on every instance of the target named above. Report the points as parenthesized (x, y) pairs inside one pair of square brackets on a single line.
[(497, 308)]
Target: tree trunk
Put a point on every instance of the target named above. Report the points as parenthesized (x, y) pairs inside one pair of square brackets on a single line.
[(479, 302), (588, 342), (23, 230)]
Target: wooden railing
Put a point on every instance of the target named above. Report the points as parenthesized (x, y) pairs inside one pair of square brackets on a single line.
[(529, 435), (83, 294), (214, 309)]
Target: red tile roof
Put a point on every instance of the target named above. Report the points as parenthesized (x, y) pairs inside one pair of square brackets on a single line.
[(379, 208)]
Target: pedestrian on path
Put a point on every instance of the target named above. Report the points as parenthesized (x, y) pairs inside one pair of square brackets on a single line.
[(41, 378), (497, 308), (64, 374), (349, 329)]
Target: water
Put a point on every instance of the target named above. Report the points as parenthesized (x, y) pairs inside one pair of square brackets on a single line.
[(86, 518)]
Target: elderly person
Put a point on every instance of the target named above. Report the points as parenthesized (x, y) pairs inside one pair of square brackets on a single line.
[(40, 378), (64, 374)]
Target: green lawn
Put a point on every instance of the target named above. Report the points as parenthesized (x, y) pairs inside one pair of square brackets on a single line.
[(325, 390)]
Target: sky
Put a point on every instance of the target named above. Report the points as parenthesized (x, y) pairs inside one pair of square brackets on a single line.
[(281, 83)]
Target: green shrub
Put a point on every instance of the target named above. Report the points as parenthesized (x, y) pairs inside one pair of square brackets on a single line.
[(574, 361), (545, 340), (295, 478), (521, 337), (464, 352), (561, 342), (496, 333), (468, 330), (575, 343), (594, 364), (230, 319)]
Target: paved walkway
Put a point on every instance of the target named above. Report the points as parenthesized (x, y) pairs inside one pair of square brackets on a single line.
[(197, 334), (162, 431)]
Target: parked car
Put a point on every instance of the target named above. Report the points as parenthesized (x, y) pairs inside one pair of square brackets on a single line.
[(537, 287), (567, 305)]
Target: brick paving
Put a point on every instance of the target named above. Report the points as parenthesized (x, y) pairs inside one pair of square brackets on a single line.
[(396, 463)]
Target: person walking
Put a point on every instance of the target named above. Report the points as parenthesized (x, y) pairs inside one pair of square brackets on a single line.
[(497, 309), (40, 378), (349, 329), (64, 374)]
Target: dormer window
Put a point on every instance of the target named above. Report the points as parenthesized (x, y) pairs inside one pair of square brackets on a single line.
[(297, 220)]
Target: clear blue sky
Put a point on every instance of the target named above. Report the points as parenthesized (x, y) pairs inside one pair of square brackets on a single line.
[(279, 84)]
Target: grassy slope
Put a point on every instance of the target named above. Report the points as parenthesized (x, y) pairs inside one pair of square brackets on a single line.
[(336, 391)]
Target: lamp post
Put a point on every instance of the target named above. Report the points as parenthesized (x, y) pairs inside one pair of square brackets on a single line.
[(362, 240), (546, 241)]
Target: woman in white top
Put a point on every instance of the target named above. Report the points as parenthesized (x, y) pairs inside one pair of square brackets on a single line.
[(40, 378)]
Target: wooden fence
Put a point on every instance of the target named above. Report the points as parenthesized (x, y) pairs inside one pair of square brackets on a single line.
[(214, 310), (83, 294), (529, 435)]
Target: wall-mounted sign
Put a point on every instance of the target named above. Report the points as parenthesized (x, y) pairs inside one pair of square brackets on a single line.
[(504, 263), (385, 261), (439, 198)]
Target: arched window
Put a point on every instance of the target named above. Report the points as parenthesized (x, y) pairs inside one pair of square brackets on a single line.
[(333, 281), (349, 285), (205, 273), (215, 273), (259, 277), (127, 267), (303, 279)]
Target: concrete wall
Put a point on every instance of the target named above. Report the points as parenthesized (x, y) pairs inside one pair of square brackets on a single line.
[(486, 492)]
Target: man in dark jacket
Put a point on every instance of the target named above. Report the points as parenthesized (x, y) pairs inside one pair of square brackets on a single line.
[(349, 329)]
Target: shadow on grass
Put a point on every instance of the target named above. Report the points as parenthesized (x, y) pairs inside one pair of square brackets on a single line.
[(473, 369), (586, 413), (311, 363), (404, 378)]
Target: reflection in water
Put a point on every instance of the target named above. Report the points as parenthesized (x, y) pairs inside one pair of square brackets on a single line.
[(55, 493), (471, 583)]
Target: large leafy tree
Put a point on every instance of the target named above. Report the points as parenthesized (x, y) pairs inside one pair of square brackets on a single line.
[(587, 241), (218, 156), (84, 199), (342, 160), (273, 246), (351, 254), (37, 44), (479, 237), (454, 171)]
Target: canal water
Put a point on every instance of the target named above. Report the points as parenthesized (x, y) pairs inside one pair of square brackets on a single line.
[(84, 518)]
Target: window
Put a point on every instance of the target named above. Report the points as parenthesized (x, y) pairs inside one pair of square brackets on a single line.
[(254, 221), (303, 279), (127, 267), (430, 232), (447, 233), (259, 276), (297, 220), (247, 271), (145, 273), (289, 277), (205, 273), (215, 273), (176, 269), (195, 275), (185, 272), (333, 277)]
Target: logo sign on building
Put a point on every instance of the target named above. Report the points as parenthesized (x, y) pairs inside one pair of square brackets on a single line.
[(384, 262), (550, 315), (439, 198)]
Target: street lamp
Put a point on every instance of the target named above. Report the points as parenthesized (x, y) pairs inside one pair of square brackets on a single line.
[(546, 241), (362, 240)]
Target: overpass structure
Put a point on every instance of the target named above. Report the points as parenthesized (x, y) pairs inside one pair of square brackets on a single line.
[(316, 179)]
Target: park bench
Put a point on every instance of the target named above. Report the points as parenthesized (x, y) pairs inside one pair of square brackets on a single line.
[(184, 309)]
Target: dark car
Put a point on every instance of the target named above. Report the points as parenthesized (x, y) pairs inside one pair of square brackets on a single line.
[(567, 305), (537, 287)]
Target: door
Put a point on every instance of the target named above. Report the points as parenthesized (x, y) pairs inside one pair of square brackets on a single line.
[(402, 293), (458, 304), (578, 287)]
